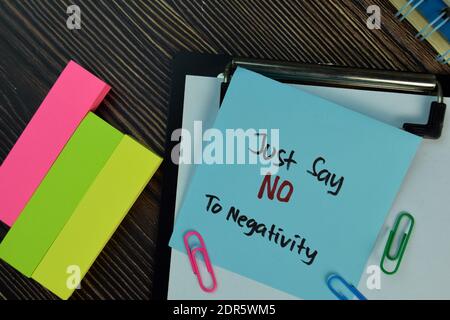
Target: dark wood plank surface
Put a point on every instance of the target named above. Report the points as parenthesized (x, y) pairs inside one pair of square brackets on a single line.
[(129, 44)]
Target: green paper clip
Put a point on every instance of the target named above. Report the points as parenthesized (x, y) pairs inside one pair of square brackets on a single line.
[(398, 256)]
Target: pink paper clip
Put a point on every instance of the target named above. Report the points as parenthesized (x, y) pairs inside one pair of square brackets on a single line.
[(191, 253)]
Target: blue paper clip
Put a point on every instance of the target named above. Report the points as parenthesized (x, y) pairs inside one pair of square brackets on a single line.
[(340, 295)]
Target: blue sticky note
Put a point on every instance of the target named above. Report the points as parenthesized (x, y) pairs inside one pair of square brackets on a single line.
[(319, 215)]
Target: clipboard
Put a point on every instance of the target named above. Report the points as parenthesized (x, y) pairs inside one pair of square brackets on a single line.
[(222, 66)]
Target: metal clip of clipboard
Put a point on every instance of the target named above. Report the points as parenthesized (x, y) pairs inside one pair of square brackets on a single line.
[(324, 75)]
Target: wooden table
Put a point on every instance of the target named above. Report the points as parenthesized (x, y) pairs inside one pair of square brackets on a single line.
[(130, 44)]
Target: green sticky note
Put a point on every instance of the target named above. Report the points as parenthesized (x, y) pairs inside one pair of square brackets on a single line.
[(81, 160), (96, 217)]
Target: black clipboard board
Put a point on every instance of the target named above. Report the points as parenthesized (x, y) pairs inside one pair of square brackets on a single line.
[(210, 65)]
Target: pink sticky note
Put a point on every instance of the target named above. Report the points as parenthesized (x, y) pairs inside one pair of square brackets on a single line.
[(75, 93)]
